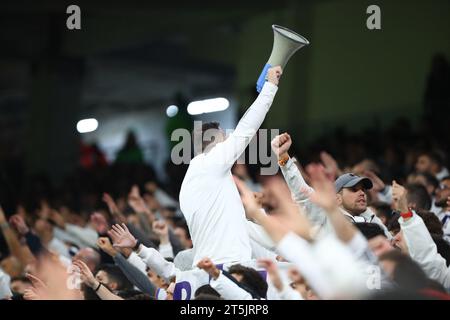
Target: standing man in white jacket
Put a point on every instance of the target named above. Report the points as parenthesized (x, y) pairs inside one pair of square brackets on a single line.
[(209, 198)]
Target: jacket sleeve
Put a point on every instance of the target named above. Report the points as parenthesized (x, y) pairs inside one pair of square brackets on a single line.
[(259, 235), (299, 252), (137, 262), (300, 192), (228, 289), (135, 275), (224, 154), (423, 250), (156, 262), (5, 282)]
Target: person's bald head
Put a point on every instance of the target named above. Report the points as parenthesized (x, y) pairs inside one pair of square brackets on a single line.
[(89, 256)]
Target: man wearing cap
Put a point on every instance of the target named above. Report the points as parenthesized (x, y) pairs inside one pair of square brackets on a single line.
[(350, 191)]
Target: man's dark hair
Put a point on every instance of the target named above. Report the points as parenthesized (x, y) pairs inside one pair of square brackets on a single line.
[(418, 195), (251, 278), (443, 247), (407, 274), (115, 274), (432, 222), (369, 230), (383, 209), (434, 156), (429, 178), (198, 135), (205, 296), (183, 225), (206, 290)]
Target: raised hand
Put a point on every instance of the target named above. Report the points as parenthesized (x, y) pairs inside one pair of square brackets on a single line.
[(19, 224), (99, 222), (331, 167), (281, 144), (378, 184), (251, 204), (105, 245), (274, 74), (113, 208), (110, 203), (57, 218), (121, 236), (399, 197), (161, 228), (35, 281), (136, 201), (207, 265), (85, 273), (324, 194), (272, 270)]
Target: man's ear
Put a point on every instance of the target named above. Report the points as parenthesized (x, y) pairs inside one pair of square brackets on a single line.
[(411, 205), (339, 198)]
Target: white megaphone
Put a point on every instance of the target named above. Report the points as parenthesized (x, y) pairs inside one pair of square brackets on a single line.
[(285, 44)]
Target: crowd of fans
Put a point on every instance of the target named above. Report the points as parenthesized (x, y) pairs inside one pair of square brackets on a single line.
[(351, 216)]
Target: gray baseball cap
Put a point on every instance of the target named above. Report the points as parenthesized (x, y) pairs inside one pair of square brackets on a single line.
[(349, 180)]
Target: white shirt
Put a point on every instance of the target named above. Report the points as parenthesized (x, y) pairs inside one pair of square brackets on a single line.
[(209, 198), (5, 282), (423, 250), (442, 174)]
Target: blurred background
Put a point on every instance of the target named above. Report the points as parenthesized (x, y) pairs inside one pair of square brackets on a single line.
[(135, 66)]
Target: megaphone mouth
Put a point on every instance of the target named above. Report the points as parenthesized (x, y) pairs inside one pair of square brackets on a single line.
[(294, 36)]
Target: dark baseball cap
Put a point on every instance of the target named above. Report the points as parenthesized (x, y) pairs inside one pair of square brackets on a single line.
[(349, 180)]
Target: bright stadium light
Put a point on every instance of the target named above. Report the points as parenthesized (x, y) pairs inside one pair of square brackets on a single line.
[(172, 111), (207, 106), (87, 125)]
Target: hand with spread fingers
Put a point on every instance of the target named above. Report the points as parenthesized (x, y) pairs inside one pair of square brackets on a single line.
[(86, 274), (19, 224), (122, 237)]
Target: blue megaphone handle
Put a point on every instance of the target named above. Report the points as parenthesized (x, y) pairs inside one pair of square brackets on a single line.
[(262, 77)]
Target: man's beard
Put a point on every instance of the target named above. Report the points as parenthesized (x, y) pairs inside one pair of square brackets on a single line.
[(441, 203)]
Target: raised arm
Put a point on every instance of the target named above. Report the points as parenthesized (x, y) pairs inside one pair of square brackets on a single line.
[(421, 246), (300, 190), (122, 238), (222, 284), (13, 242), (226, 153)]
